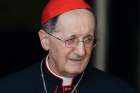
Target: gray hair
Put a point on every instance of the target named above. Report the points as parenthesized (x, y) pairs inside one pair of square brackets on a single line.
[(49, 27)]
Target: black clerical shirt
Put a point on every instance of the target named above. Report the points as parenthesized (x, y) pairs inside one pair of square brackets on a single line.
[(29, 81)]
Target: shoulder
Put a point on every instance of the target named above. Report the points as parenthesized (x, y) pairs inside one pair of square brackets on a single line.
[(104, 82), (26, 72), (21, 80)]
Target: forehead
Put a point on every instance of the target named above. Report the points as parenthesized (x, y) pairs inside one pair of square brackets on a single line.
[(79, 22)]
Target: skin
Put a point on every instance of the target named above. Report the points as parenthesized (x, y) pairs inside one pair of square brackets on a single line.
[(69, 62)]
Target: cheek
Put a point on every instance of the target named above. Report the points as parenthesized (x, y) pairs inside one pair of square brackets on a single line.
[(53, 50), (59, 53), (63, 54), (88, 55), (89, 51)]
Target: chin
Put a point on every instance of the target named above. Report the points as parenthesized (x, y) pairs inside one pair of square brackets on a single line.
[(73, 74), (75, 71)]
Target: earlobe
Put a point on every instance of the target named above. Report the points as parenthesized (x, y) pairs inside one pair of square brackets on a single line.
[(44, 39)]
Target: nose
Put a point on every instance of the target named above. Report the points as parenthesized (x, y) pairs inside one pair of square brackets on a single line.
[(80, 49)]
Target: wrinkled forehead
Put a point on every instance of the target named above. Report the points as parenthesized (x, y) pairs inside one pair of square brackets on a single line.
[(73, 34), (79, 22)]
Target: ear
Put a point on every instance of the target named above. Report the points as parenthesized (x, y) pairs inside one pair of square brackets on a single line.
[(44, 39)]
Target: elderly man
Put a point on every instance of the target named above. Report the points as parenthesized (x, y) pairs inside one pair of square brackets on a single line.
[(68, 33)]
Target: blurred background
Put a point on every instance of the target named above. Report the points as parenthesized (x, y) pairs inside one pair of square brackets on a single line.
[(118, 35)]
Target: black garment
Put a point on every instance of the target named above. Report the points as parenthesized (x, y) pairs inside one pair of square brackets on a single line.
[(29, 81)]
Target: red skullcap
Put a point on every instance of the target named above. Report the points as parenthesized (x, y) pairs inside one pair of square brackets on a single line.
[(57, 7)]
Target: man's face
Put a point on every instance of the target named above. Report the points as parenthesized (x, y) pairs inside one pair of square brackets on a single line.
[(71, 61)]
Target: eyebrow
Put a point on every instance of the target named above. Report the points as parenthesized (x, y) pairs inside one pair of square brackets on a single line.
[(75, 36), (72, 36)]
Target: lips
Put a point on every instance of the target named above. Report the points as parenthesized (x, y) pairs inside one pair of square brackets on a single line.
[(75, 60)]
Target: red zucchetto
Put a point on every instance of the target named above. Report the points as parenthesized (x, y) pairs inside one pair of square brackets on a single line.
[(57, 7)]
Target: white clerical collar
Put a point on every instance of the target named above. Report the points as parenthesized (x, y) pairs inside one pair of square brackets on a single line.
[(66, 81)]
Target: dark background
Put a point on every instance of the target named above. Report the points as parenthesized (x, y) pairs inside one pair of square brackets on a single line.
[(20, 46), (123, 39)]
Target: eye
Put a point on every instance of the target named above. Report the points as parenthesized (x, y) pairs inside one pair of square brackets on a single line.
[(88, 39), (70, 41)]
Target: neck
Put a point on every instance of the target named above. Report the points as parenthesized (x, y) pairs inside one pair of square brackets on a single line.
[(51, 65), (66, 80), (78, 79)]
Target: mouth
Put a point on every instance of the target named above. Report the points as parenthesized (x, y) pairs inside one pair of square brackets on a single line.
[(75, 60)]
